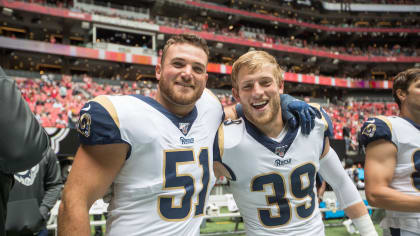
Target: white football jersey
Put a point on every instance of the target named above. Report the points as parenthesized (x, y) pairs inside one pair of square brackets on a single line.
[(164, 184), (273, 183), (405, 135)]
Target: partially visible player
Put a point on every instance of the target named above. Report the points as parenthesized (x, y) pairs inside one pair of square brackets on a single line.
[(273, 168), (392, 166), (156, 155)]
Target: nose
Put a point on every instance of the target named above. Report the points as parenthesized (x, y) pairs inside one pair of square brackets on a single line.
[(257, 90), (187, 73)]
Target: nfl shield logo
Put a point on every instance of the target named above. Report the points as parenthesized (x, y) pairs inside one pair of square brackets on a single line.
[(184, 127), (280, 151)]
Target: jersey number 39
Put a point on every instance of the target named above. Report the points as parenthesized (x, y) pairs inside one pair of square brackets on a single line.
[(277, 183)]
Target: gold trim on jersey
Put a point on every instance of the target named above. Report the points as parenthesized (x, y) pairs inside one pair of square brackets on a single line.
[(386, 121), (415, 170), (212, 94), (317, 106), (109, 107), (173, 188), (221, 139), (268, 204), (202, 184)]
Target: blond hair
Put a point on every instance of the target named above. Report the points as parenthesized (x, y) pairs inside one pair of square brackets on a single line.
[(253, 61)]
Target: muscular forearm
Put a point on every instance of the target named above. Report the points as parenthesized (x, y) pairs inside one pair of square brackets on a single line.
[(391, 199), (73, 220)]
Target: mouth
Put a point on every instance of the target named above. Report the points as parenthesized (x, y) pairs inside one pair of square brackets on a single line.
[(259, 105), (184, 85)]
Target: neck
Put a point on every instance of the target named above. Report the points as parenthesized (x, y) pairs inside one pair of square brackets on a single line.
[(413, 115), (273, 128), (176, 109)]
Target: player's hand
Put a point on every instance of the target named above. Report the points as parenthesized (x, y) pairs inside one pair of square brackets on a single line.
[(296, 112)]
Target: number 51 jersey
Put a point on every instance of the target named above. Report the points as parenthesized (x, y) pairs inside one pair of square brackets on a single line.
[(273, 181), (165, 181)]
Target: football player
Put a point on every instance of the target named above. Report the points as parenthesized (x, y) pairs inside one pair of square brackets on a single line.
[(392, 166), (272, 168), (156, 155)]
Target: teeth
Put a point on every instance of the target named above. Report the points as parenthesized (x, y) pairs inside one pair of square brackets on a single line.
[(259, 103)]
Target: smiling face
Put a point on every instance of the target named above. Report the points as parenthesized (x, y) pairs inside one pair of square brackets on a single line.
[(259, 93), (182, 77)]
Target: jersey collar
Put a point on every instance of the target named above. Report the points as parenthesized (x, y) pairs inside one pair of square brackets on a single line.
[(278, 148), (184, 124), (412, 122)]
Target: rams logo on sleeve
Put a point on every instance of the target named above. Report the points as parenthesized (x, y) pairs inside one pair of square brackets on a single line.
[(369, 130), (83, 125)]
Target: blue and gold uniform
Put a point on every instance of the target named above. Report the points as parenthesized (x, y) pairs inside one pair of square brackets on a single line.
[(164, 184), (405, 135), (273, 180)]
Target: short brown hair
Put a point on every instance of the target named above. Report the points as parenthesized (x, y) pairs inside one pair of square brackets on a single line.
[(192, 39), (403, 80), (254, 60)]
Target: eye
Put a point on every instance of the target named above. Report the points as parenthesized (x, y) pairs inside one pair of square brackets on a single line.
[(177, 64), (247, 87), (198, 69), (266, 83)]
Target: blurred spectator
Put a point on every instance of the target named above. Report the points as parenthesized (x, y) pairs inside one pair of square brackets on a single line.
[(34, 194)]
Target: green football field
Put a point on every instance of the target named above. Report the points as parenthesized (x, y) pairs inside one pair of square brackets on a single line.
[(217, 227), (226, 226)]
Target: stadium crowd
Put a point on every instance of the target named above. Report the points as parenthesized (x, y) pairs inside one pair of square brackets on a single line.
[(57, 103), (255, 34)]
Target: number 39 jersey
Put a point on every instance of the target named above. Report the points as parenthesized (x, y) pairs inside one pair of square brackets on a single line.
[(273, 182), (405, 135), (165, 181)]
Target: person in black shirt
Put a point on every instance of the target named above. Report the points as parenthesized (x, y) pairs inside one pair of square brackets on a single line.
[(34, 194), (23, 142)]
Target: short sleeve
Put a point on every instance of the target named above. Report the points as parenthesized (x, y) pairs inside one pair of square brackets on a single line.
[(376, 128), (98, 123)]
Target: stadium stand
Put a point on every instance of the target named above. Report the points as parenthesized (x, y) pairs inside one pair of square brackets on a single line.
[(63, 53)]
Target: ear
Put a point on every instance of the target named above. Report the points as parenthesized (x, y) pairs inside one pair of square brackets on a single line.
[(207, 77), (235, 94), (401, 94), (281, 86), (158, 71)]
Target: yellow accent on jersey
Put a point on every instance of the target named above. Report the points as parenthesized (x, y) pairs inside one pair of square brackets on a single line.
[(387, 122), (317, 106), (221, 140), (109, 107)]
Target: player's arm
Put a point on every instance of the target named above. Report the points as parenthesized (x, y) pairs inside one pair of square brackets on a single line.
[(93, 171), (348, 196), (219, 168), (381, 158), (230, 112)]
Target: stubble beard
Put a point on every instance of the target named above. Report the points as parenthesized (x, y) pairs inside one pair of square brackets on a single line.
[(269, 115), (177, 97)]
